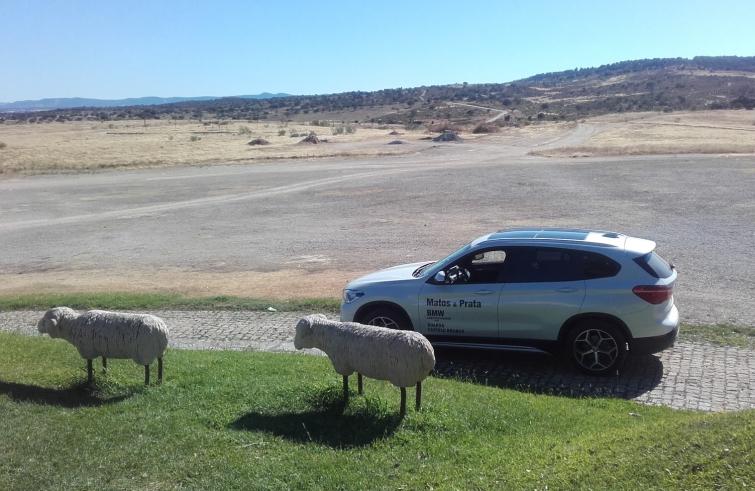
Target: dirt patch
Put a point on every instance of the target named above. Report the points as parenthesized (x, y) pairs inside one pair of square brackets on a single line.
[(282, 284), (703, 132)]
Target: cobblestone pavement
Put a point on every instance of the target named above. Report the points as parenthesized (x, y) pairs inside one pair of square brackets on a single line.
[(688, 376)]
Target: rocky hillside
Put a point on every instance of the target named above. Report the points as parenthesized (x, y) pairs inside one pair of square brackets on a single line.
[(669, 84)]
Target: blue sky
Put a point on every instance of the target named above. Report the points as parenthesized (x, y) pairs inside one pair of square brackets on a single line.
[(116, 49)]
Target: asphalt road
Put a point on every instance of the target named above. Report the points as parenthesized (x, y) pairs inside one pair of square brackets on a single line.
[(362, 214)]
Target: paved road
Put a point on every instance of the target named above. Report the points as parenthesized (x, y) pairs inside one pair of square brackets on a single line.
[(341, 217), (688, 376)]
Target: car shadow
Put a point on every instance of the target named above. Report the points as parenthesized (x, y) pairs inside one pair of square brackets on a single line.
[(546, 374), (325, 422), (73, 396)]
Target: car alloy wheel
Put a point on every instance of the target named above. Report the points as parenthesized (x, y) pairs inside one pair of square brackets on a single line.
[(595, 350), (383, 321)]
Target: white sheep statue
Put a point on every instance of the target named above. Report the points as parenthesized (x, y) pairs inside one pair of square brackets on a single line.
[(140, 337), (404, 358)]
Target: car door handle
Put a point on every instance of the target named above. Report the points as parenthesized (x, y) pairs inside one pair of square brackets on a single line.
[(566, 290), (483, 292)]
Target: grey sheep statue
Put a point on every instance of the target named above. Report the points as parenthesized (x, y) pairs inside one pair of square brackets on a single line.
[(99, 333), (404, 358)]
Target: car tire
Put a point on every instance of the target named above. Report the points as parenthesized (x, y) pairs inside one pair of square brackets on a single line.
[(596, 347), (386, 316)]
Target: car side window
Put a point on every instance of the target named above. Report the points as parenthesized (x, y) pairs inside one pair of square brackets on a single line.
[(542, 264), (478, 267), (495, 256), (597, 266)]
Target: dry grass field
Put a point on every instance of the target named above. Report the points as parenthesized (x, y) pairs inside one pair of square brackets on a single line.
[(703, 132), (86, 146), (89, 146)]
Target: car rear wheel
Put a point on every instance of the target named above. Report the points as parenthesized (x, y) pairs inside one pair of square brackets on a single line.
[(596, 347), (389, 317)]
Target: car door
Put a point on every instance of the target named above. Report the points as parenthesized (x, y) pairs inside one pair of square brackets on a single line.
[(464, 308), (542, 288)]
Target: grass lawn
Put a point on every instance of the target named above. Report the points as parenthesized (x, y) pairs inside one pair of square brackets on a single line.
[(259, 420), (146, 301)]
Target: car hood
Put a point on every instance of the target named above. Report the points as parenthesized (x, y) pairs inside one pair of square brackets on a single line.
[(396, 273)]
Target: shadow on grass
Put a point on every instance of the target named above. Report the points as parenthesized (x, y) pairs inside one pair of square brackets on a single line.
[(326, 422), (546, 374), (76, 395)]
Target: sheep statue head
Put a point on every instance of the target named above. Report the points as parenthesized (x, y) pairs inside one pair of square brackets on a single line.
[(305, 335), (50, 322)]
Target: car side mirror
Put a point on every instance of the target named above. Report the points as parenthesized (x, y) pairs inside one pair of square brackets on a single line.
[(440, 277)]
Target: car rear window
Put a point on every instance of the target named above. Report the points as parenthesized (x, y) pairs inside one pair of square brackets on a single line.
[(655, 265), (598, 266)]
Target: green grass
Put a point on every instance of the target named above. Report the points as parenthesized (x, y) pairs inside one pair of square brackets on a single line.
[(271, 421), (135, 301), (720, 334)]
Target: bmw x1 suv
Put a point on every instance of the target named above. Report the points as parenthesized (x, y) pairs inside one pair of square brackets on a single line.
[(593, 296)]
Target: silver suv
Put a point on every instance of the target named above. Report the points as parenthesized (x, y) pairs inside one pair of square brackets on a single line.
[(594, 296)]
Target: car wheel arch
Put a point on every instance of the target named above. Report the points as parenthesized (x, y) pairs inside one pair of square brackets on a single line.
[(358, 317), (593, 316)]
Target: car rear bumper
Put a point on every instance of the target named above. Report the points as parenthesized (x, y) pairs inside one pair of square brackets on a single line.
[(654, 344)]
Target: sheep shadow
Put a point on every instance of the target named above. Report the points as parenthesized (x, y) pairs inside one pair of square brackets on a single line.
[(326, 422), (74, 396), (547, 374)]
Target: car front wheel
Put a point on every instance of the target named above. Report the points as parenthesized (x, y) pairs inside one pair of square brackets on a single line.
[(385, 317), (596, 348)]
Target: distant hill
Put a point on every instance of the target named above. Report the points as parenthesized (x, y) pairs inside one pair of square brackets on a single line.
[(77, 102), (662, 84)]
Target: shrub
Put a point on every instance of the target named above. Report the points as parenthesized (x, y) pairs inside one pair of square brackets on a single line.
[(2, 145), (244, 130), (195, 138), (485, 128), (258, 141), (442, 126), (281, 132)]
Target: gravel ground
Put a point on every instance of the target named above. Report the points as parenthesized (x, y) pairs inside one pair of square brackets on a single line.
[(687, 376), (236, 227)]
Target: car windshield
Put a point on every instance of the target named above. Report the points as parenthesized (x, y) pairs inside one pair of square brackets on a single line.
[(455, 255)]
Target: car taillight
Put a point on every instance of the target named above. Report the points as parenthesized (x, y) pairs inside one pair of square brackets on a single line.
[(654, 294)]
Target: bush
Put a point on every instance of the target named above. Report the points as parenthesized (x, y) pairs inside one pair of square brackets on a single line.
[(442, 126), (244, 130), (195, 138), (485, 128), (2, 145), (281, 132)]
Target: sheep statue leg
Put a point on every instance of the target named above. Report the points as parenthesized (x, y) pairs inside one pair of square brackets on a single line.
[(418, 394), (104, 364), (90, 372), (402, 411), (359, 383), (146, 374), (346, 387), (160, 370)]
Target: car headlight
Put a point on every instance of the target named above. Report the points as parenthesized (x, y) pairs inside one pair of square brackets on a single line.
[(351, 295)]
